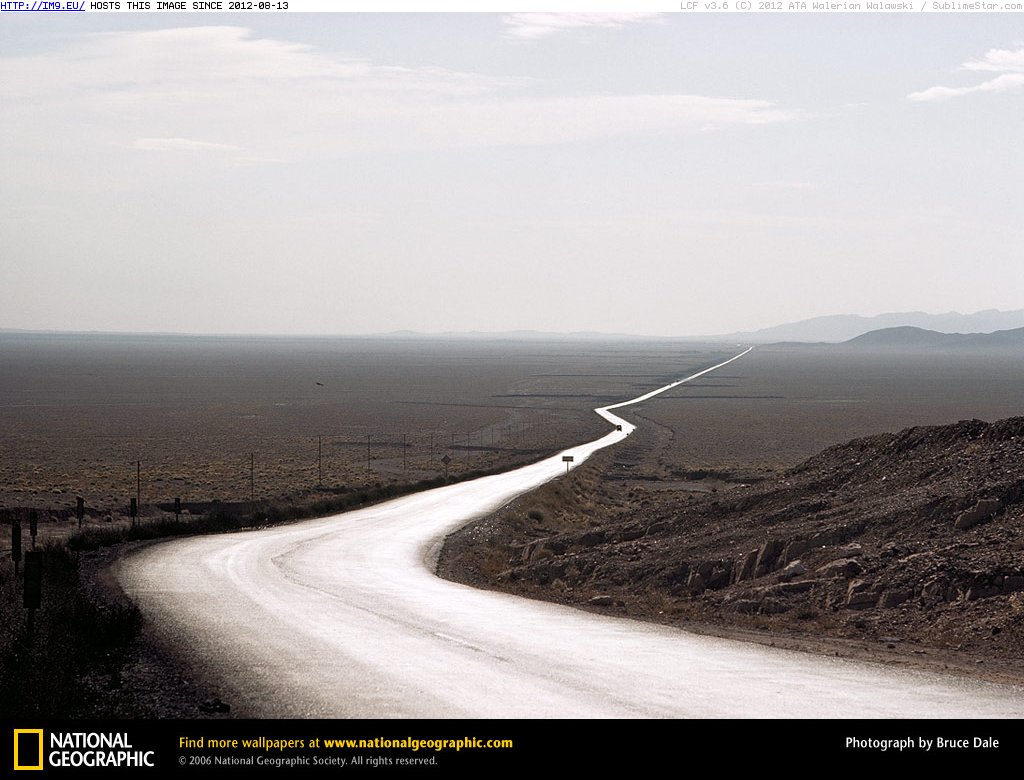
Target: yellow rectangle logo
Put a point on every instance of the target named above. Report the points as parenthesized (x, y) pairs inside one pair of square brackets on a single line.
[(17, 739)]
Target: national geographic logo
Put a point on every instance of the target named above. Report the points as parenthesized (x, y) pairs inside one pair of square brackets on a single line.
[(76, 749), (28, 749)]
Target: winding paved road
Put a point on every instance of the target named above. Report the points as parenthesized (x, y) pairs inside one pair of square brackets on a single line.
[(343, 617)]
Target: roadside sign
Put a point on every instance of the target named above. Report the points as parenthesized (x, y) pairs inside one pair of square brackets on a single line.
[(567, 459)]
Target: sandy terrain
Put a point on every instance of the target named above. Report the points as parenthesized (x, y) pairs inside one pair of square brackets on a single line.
[(76, 413)]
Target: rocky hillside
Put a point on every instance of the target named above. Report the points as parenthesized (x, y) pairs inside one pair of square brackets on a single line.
[(913, 537)]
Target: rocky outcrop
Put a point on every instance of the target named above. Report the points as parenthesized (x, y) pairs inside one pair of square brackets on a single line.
[(914, 534), (861, 594), (843, 568), (980, 512), (794, 569)]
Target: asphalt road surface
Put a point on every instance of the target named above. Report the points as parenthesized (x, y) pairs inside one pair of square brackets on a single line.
[(343, 617)]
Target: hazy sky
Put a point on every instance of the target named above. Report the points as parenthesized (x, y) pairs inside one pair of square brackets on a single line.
[(355, 173)]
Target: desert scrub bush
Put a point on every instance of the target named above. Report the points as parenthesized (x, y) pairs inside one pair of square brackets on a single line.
[(81, 640), (272, 512), (807, 613)]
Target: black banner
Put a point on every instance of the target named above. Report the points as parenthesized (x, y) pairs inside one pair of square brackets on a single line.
[(441, 748)]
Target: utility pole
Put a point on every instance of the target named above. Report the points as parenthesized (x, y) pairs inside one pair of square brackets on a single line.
[(252, 477), (319, 461)]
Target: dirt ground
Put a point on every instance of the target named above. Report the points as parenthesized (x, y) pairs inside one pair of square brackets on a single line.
[(225, 420), (717, 515)]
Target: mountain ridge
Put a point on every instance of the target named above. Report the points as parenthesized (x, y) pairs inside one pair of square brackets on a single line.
[(837, 328), (909, 336)]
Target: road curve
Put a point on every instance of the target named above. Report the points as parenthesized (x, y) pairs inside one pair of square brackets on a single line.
[(343, 617)]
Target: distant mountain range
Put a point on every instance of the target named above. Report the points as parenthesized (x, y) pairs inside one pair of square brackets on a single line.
[(843, 327), (831, 329), (919, 337)]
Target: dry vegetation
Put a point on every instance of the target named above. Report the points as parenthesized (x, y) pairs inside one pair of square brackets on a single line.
[(78, 413)]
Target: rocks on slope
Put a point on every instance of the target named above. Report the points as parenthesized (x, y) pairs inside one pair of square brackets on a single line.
[(915, 533)]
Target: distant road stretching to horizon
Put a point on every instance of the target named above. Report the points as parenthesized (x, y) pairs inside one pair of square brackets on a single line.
[(343, 617)]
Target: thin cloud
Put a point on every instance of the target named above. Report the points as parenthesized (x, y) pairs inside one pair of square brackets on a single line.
[(281, 101), (999, 60), (1009, 64), (188, 56), (181, 145), (535, 122), (534, 27), (788, 185)]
